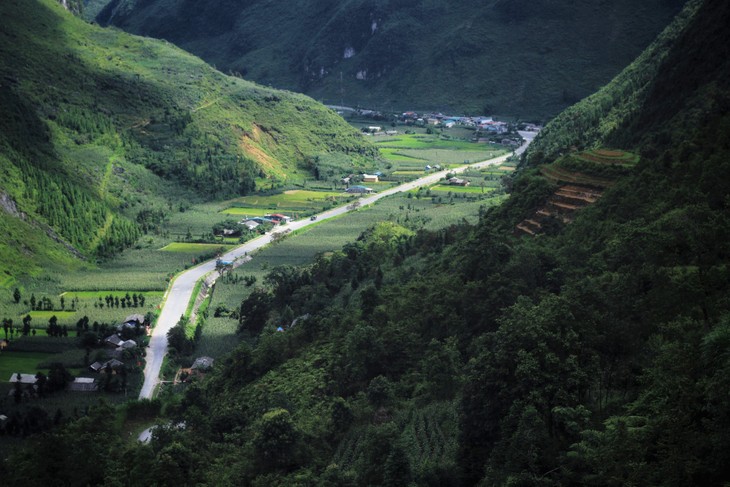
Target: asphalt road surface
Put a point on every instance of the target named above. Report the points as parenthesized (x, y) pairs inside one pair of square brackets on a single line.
[(179, 294)]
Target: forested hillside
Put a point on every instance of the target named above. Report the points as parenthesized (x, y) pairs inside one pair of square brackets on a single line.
[(594, 354), (97, 125), (528, 58)]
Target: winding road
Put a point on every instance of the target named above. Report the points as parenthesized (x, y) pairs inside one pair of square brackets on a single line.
[(180, 292)]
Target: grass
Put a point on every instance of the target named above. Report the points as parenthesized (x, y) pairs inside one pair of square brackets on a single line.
[(246, 211), (291, 199), (473, 189), (93, 295), (185, 247), (23, 362), (414, 150), (88, 305)]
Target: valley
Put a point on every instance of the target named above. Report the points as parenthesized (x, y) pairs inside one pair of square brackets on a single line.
[(499, 256)]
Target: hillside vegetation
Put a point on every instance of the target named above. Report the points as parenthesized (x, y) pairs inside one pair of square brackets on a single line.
[(528, 58), (97, 126), (592, 354)]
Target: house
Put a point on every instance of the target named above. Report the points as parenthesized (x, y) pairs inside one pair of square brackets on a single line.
[(127, 344), (369, 178), (262, 220), (345, 180), (278, 217), (250, 224), (458, 182), (23, 379), (358, 190), (391, 132), (83, 384), (113, 340), (100, 367), (374, 128), (138, 318)]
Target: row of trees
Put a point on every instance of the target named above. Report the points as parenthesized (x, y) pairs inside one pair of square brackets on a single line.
[(133, 300)]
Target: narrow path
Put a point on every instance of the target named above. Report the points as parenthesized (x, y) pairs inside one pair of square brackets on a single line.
[(180, 292)]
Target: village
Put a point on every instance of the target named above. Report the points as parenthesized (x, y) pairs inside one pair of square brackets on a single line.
[(113, 354), (486, 128)]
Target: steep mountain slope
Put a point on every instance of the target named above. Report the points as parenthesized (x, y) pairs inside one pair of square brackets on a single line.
[(92, 118), (521, 58)]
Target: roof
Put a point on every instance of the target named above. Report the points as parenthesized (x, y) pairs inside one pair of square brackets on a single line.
[(113, 363), (82, 384), (128, 344), (357, 189), (113, 340), (136, 317), (24, 378)]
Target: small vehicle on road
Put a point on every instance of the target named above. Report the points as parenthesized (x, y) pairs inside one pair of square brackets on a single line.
[(313, 217)]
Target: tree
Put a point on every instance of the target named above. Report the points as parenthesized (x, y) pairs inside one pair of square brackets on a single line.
[(58, 376), (16, 295), (41, 380), (255, 311), (397, 468), (177, 337), (275, 441)]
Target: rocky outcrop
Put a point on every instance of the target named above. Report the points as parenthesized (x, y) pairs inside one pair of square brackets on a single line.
[(8, 204)]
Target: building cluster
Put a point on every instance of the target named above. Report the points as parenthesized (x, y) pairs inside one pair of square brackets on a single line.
[(481, 123), (273, 219)]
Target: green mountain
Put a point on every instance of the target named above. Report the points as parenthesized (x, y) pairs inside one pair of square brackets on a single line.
[(595, 353), (98, 125), (528, 58)]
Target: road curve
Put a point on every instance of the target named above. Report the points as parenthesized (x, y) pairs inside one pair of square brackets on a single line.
[(180, 292)]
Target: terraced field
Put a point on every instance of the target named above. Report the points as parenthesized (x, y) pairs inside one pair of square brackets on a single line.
[(599, 170)]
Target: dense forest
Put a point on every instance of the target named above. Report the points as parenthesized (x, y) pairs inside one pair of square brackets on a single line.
[(454, 56), (593, 354), (97, 126)]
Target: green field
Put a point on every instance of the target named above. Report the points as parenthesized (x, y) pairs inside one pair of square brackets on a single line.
[(246, 211), (423, 141), (395, 155), (186, 247), (23, 362), (411, 151), (44, 316), (291, 199), (88, 304), (473, 189), (93, 295)]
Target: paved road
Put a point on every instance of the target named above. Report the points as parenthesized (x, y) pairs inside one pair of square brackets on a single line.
[(179, 294)]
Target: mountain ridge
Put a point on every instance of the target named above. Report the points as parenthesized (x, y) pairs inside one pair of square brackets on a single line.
[(97, 123), (412, 55)]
